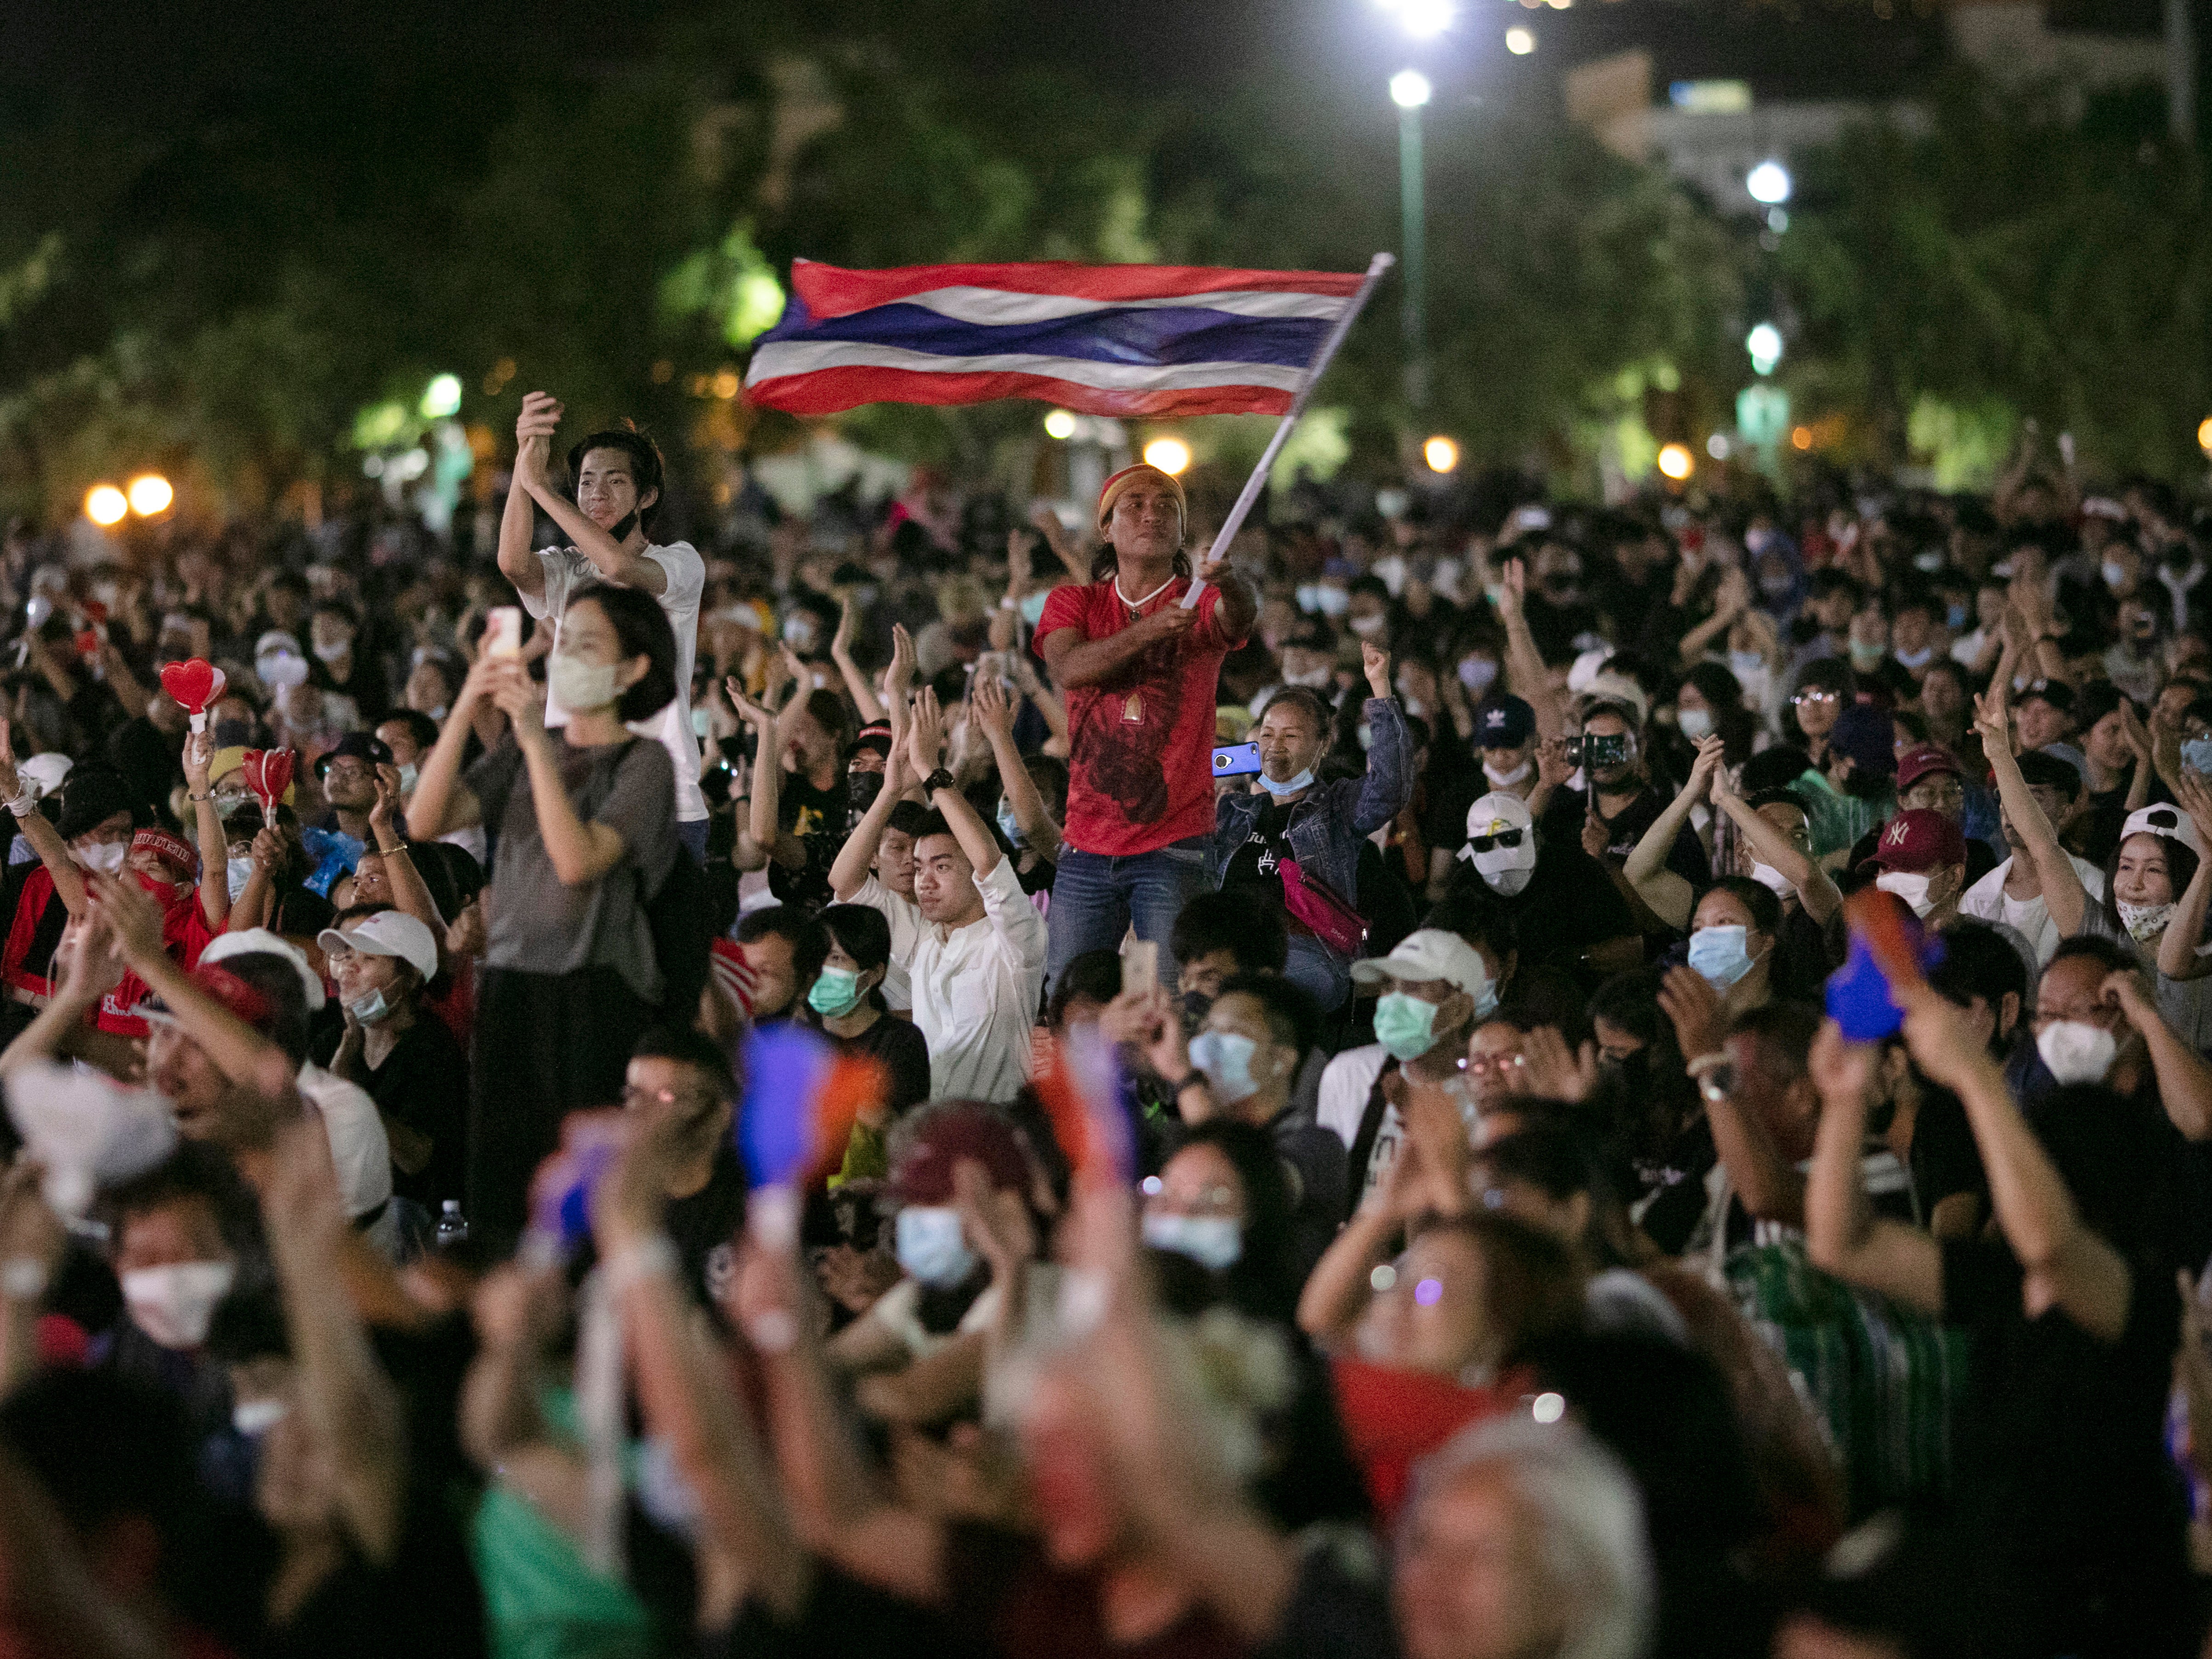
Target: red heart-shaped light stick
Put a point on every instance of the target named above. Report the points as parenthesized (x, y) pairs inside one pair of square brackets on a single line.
[(268, 774), (194, 683)]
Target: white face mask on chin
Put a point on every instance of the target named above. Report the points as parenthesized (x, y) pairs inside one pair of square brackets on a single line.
[(1507, 780), (175, 1304)]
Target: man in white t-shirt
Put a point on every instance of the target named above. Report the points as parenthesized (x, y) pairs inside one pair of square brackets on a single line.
[(618, 474), (2012, 894)]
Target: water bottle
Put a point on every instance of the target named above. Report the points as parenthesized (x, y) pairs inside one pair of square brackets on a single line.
[(453, 1225)]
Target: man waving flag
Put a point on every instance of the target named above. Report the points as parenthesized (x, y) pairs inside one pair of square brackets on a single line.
[(1129, 340)]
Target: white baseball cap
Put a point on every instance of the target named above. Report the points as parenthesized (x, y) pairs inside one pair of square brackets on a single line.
[(2164, 820), (386, 933), (44, 772), (1501, 809), (1428, 953), (251, 941)]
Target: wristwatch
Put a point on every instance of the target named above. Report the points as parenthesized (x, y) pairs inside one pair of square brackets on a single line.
[(940, 779)]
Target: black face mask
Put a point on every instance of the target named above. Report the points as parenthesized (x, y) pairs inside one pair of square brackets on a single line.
[(1196, 1005), (861, 789), (623, 526), (1631, 1072)]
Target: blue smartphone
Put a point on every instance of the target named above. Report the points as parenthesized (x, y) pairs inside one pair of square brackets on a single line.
[(1236, 760)]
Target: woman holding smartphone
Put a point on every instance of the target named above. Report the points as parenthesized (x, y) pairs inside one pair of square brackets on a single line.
[(583, 827)]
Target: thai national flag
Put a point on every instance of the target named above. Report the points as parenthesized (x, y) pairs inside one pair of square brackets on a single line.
[(1144, 340)]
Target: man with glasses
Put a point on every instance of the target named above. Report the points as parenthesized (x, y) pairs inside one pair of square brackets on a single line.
[(337, 839), (1927, 777), (2011, 894), (2097, 1021)]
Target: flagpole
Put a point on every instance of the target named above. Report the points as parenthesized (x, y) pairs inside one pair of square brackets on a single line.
[(1235, 521)]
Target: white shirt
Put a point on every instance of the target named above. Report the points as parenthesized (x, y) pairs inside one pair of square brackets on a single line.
[(567, 573), (1345, 1087), (358, 1148), (2030, 918), (975, 988)]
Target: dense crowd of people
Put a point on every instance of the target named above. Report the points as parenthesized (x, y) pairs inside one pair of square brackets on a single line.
[(924, 1081)]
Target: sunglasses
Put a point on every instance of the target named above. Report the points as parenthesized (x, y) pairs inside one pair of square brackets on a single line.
[(1503, 838)]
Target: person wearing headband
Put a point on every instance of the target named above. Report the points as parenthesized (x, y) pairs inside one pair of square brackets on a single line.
[(1139, 667)]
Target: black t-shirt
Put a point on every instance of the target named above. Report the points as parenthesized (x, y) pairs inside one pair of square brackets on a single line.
[(1253, 867), (899, 1046), (1944, 1159), (424, 1084), (817, 818), (702, 1226), (1569, 905), (1803, 958), (1686, 858)]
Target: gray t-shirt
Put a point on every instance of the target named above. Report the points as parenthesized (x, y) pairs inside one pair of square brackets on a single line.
[(2184, 1004), (538, 926)]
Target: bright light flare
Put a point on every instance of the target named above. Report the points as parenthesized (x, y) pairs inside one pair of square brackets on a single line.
[(1060, 424), (1441, 453), (150, 493), (442, 397), (2204, 435), (1676, 462), (104, 504), (1764, 343), (1520, 41), (1769, 183), (1170, 455), (1424, 20), (1410, 89)]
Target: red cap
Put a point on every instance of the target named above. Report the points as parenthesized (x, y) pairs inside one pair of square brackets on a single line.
[(1923, 760), (951, 1133), (1919, 839)]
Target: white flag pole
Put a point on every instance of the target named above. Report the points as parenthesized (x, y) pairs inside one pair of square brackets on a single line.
[(1253, 485)]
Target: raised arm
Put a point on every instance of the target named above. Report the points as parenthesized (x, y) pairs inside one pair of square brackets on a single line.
[(1761, 1177), (1816, 888), (2067, 1265), (1056, 537), (864, 697), (238, 1052), (533, 438), (1388, 783), (1524, 663), (1843, 1234), (988, 710), (208, 832), (441, 802), (2062, 884), (613, 561), (2177, 947), (2139, 741), (45, 840), (925, 741), (1732, 601), (758, 836), (409, 891), (351, 1404), (87, 968), (2184, 1077), (848, 873), (1671, 898)]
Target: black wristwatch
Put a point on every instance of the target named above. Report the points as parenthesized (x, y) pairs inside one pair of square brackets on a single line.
[(940, 779)]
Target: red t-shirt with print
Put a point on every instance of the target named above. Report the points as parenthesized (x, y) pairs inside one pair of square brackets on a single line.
[(1140, 745)]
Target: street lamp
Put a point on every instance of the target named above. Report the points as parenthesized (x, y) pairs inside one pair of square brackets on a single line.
[(150, 495), (1409, 90), (1764, 343), (1769, 183), (1170, 455), (105, 505), (1441, 453)]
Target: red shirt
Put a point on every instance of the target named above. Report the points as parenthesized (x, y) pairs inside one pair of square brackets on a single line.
[(1141, 746), (32, 938), (1392, 1418), (185, 934)]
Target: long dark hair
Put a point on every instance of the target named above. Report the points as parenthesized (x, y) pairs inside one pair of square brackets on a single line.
[(1105, 563), (1264, 1281), (1734, 725)]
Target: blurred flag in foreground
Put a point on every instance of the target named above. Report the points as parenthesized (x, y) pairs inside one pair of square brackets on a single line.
[(1136, 340)]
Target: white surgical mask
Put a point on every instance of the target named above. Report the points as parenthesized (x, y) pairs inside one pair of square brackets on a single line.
[(1719, 955), (1507, 780), (1694, 723), (407, 775), (1312, 678), (332, 650), (2113, 572), (105, 857), (1919, 658), (1225, 1058), (281, 670), (931, 1246), (255, 1417), (1288, 786), (237, 872), (1476, 673), (173, 1305), (2076, 1051), (1368, 627), (1214, 1242), (1505, 870), (1909, 886), (1772, 879), (577, 685)]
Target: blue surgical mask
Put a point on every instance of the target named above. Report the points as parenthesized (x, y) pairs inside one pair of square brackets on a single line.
[(837, 991), (407, 777), (1719, 954), (2196, 754), (237, 873), (1288, 786), (1214, 1242), (1955, 617), (931, 1247), (1032, 607), (1404, 1025), (1476, 673), (1226, 1057), (371, 1009), (1009, 825)]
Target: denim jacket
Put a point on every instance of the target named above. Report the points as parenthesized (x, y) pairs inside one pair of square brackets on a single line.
[(1328, 824)]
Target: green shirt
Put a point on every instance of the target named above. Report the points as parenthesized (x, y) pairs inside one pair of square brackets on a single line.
[(1834, 819)]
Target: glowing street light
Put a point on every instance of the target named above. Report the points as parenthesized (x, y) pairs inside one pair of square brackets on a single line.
[(1764, 343), (1769, 183), (150, 493), (1441, 453), (104, 504), (1676, 462), (1170, 455), (1424, 20), (2204, 435), (1520, 41), (1060, 424), (1410, 89), (442, 397)]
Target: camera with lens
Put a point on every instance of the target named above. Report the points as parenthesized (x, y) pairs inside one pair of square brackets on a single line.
[(1599, 749)]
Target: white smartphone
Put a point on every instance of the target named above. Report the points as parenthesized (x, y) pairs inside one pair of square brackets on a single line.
[(1140, 965), (503, 634)]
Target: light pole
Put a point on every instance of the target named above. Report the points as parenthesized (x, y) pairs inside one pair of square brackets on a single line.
[(1410, 90)]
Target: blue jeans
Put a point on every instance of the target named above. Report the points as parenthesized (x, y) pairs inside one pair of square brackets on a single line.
[(693, 835), (1097, 895), (1314, 968)]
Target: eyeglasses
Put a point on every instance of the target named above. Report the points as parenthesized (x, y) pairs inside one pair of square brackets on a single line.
[(1804, 697), (348, 768), (1503, 838), (1497, 1065)]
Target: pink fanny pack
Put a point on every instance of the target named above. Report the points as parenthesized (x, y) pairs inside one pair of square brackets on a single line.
[(1319, 907)]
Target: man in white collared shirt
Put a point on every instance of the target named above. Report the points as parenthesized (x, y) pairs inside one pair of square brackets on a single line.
[(972, 945)]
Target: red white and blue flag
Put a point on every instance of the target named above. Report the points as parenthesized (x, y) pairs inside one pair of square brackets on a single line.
[(1134, 340)]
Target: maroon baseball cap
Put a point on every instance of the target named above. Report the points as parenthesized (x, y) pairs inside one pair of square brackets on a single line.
[(1923, 760), (1919, 839), (947, 1134)]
